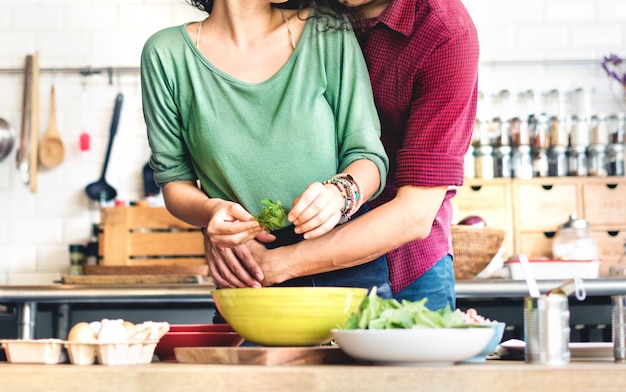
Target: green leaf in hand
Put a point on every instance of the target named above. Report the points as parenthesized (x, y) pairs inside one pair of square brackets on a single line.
[(273, 216)]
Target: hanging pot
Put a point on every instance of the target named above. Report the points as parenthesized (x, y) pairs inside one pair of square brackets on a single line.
[(7, 139)]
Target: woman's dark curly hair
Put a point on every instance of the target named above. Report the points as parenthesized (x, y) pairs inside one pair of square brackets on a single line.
[(323, 8)]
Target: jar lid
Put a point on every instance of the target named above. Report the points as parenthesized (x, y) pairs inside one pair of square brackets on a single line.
[(77, 248), (575, 223)]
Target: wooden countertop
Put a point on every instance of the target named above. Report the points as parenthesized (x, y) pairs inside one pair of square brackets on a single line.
[(495, 375)]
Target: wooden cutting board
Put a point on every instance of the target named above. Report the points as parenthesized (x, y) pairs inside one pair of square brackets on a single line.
[(146, 270), (132, 279), (262, 355)]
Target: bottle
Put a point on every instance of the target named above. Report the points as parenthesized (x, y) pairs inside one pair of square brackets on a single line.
[(77, 259), (92, 246)]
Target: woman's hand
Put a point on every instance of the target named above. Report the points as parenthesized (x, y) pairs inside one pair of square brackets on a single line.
[(231, 225), (317, 210)]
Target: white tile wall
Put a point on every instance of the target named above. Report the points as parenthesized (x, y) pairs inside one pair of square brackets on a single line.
[(35, 229)]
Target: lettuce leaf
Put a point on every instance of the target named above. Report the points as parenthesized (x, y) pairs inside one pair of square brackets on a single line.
[(381, 313)]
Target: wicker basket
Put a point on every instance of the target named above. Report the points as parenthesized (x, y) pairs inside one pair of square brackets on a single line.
[(474, 248)]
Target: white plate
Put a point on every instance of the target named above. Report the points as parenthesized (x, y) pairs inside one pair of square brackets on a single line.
[(420, 346), (578, 350)]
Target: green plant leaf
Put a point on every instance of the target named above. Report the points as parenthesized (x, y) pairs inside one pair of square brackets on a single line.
[(273, 216)]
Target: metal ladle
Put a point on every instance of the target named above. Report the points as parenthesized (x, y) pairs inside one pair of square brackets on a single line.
[(101, 190)]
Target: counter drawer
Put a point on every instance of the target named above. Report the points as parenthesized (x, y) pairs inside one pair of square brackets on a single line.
[(545, 206), (611, 247), (605, 203), (490, 200), (535, 244)]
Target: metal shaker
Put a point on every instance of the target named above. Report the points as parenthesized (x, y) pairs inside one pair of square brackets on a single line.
[(546, 329)]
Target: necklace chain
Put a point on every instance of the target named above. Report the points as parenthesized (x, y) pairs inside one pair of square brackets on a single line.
[(285, 20)]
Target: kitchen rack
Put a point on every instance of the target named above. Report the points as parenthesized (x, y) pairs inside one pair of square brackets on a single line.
[(84, 71)]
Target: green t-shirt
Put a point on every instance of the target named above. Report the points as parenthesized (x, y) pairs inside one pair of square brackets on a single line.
[(247, 142)]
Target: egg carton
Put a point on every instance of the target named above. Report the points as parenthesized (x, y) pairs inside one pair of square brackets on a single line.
[(34, 351), (111, 354)]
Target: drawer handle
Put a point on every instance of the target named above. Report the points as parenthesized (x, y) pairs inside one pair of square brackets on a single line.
[(611, 186), (549, 234), (476, 187), (613, 233), (547, 187)]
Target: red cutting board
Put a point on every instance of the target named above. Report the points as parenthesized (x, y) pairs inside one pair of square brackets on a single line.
[(252, 355)]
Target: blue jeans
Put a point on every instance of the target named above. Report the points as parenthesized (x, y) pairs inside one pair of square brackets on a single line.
[(437, 284)]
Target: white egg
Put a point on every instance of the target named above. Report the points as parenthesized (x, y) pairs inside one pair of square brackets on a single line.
[(96, 326), (112, 331)]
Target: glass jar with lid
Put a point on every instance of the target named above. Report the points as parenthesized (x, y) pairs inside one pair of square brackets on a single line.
[(596, 161), (502, 162), (617, 128), (522, 162), (577, 165), (483, 161), (557, 161), (615, 159), (579, 132), (573, 241)]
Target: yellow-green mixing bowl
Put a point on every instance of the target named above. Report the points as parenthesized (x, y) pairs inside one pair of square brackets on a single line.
[(287, 316)]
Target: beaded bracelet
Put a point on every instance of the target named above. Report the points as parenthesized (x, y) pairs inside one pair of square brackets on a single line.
[(356, 191), (350, 190)]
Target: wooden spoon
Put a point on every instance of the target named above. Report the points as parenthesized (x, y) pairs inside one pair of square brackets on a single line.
[(51, 149)]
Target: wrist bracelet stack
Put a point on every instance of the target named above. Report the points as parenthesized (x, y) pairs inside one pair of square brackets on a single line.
[(351, 192)]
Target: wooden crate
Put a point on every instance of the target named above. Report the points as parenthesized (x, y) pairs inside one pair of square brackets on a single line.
[(147, 236)]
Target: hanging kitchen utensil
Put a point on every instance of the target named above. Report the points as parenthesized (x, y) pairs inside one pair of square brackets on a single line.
[(7, 139), (570, 286), (533, 290), (21, 159), (33, 164), (84, 140), (101, 190), (51, 149)]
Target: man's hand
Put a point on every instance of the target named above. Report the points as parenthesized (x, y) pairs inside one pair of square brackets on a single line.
[(234, 267)]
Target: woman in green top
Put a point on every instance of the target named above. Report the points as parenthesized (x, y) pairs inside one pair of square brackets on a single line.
[(259, 102)]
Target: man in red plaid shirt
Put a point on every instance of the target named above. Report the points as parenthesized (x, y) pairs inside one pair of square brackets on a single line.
[(422, 56)]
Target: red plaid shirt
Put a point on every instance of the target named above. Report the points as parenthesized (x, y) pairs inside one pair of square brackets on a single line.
[(423, 62)]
